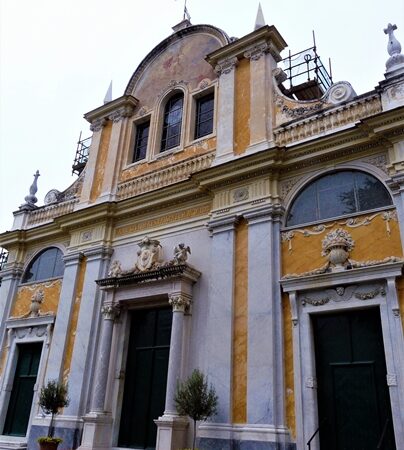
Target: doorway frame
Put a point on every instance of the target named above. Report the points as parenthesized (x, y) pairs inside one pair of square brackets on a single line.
[(24, 331), (315, 294)]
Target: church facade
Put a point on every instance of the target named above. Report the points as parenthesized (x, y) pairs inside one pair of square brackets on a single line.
[(230, 218)]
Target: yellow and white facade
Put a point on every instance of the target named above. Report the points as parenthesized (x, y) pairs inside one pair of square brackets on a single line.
[(245, 300)]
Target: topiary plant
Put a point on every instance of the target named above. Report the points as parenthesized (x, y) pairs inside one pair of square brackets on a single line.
[(52, 397), (195, 399)]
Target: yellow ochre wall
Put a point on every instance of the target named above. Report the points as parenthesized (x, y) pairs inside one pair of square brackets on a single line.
[(101, 161), (242, 107), (289, 374), (240, 331), (51, 290), (74, 318), (374, 241)]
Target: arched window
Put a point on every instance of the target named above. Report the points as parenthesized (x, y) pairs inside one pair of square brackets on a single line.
[(172, 121), (47, 264), (338, 194)]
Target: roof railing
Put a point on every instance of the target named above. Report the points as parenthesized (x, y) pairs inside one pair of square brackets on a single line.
[(307, 77)]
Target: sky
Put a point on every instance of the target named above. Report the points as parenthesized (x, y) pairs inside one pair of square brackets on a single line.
[(58, 57)]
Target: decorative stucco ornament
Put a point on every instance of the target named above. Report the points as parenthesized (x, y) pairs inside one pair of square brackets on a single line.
[(396, 59), (115, 269), (148, 255), (52, 196), (337, 245), (181, 253), (30, 199), (36, 301), (340, 92)]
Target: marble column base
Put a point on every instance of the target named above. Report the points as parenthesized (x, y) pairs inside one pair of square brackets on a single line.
[(171, 432), (97, 431)]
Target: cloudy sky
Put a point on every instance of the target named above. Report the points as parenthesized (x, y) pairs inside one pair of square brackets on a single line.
[(58, 57)]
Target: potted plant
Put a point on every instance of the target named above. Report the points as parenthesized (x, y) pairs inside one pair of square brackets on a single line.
[(52, 397), (195, 399)]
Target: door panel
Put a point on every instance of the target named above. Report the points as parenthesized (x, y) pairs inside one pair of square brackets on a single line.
[(19, 407), (351, 375), (146, 377)]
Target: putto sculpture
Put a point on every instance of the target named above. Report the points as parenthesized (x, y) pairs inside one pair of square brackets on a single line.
[(181, 253)]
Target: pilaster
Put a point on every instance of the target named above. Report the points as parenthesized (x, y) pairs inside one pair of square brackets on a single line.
[(219, 346), (87, 331), (261, 65), (225, 110), (265, 389), (61, 330), (113, 160), (10, 279)]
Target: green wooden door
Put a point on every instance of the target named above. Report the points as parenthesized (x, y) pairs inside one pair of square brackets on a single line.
[(19, 407), (353, 397), (146, 377)]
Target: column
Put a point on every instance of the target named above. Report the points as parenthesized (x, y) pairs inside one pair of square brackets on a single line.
[(265, 387), (109, 312), (171, 427), (65, 307), (97, 431), (225, 109), (220, 314)]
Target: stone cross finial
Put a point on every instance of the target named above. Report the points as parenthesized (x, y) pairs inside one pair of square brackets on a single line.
[(30, 199), (394, 49)]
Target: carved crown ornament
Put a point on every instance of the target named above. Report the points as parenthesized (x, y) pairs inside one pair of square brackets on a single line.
[(149, 259), (336, 248)]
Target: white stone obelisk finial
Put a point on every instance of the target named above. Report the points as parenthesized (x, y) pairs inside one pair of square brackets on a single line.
[(108, 95), (396, 61), (259, 21)]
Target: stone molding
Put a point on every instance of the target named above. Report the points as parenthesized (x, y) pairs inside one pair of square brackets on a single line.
[(164, 177), (49, 212), (114, 110), (273, 213), (223, 224), (255, 52), (324, 121), (225, 66)]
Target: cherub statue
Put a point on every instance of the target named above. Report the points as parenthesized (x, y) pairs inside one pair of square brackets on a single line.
[(181, 253), (115, 269)]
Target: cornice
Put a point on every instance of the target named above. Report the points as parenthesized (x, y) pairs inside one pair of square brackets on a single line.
[(122, 106), (236, 49)]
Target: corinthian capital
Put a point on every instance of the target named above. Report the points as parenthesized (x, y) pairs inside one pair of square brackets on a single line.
[(256, 51), (226, 65), (110, 311), (97, 124), (179, 302)]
